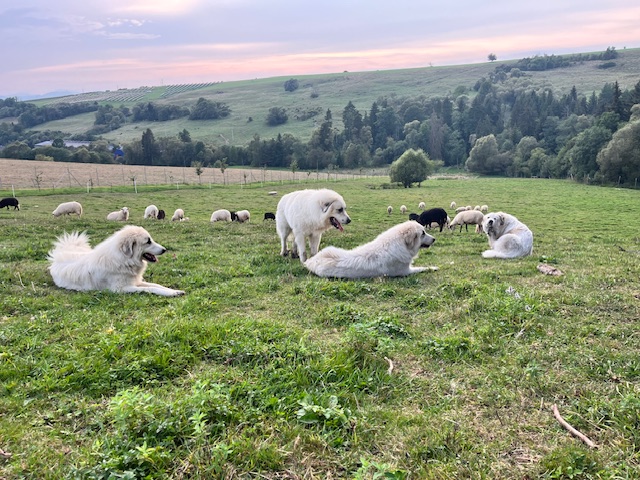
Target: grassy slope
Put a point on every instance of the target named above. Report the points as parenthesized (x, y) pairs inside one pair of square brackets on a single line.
[(254, 98), (236, 378)]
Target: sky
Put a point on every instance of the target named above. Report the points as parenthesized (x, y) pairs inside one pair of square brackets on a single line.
[(95, 45)]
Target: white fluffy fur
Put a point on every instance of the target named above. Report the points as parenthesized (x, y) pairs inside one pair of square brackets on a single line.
[(68, 208), (221, 215), (390, 254), (117, 264), (307, 214), (121, 215), (151, 212), (508, 237)]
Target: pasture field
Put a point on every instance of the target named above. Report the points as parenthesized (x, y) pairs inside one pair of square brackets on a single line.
[(265, 371)]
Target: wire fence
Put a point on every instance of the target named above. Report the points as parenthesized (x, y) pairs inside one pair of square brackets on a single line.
[(39, 175)]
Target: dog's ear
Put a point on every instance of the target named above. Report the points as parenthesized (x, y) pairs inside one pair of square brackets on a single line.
[(325, 206), (412, 237), (127, 246)]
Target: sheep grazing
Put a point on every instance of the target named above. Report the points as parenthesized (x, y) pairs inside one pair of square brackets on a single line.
[(461, 209), (161, 214), (403, 209), (241, 216), (269, 216), (453, 205), (468, 207), (68, 208), (121, 215), (151, 212), (437, 215), (466, 218), (177, 215), (389, 210), (10, 202), (421, 206), (415, 217), (221, 215), (477, 207), (484, 208)]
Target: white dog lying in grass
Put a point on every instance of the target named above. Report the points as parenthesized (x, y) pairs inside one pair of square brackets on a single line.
[(390, 254), (117, 264), (508, 237)]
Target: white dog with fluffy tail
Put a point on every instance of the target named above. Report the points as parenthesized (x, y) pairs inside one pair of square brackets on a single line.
[(390, 254), (117, 264), (307, 214), (508, 237)]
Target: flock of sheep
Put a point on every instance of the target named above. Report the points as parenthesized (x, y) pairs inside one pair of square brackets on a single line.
[(154, 213), (464, 216)]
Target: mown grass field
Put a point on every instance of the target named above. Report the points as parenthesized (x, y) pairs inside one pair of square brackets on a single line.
[(265, 371)]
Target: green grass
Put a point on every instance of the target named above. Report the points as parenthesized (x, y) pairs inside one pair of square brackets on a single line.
[(265, 371), (254, 98)]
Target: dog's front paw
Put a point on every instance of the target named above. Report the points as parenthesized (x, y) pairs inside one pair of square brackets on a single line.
[(178, 293)]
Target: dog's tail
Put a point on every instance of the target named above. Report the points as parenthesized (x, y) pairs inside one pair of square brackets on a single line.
[(69, 242)]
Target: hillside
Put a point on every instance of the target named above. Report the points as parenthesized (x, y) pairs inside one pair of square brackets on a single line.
[(253, 98)]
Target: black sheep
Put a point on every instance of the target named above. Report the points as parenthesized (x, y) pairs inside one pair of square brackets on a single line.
[(437, 215), (10, 202)]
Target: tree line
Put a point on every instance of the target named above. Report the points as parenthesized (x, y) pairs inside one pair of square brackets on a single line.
[(492, 128)]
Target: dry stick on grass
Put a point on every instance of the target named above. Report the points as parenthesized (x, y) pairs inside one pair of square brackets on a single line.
[(572, 430), (390, 369)]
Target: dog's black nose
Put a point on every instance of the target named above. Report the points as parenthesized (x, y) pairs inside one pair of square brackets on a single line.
[(348, 220)]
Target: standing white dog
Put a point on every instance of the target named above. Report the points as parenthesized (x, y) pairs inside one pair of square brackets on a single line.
[(508, 237), (116, 264), (390, 254), (308, 214)]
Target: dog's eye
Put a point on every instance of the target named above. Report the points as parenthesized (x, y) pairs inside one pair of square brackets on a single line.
[(149, 241), (340, 210)]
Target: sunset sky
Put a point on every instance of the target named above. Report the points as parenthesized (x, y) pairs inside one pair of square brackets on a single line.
[(84, 46)]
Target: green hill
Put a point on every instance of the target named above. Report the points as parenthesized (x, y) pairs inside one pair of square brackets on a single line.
[(252, 99)]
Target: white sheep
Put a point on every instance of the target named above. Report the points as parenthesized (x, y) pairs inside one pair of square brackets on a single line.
[(422, 206), (468, 207), (389, 210), (467, 217), (221, 216), (151, 212), (403, 209), (477, 207), (241, 216), (484, 208), (68, 208), (177, 215), (453, 205), (121, 215), (461, 209)]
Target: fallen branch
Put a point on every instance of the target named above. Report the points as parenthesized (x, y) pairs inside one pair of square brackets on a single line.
[(390, 365), (572, 430)]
